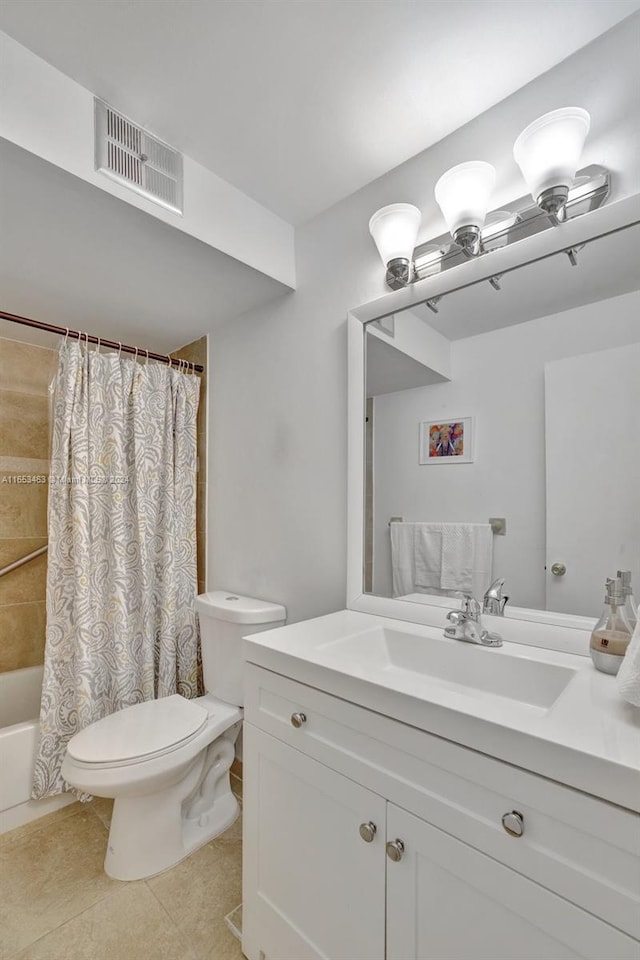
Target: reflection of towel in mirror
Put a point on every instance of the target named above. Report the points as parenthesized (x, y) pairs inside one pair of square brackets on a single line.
[(402, 557), (628, 678), (453, 557), (458, 557), (428, 550)]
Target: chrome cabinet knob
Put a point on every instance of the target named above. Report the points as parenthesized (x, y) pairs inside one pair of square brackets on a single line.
[(395, 849), (368, 831), (513, 823), (558, 569), (297, 719)]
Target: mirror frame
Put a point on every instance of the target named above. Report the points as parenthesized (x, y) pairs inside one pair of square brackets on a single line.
[(539, 628)]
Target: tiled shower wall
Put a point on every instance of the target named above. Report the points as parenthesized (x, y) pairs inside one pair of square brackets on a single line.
[(25, 374), (196, 352)]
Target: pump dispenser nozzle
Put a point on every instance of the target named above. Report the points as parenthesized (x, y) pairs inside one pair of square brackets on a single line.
[(625, 577), (630, 607), (615, 591)]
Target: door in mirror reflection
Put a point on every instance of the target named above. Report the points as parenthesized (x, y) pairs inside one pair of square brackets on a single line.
[(592, 472)]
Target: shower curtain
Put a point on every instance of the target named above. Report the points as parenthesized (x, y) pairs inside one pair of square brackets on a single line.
[(121, 577)]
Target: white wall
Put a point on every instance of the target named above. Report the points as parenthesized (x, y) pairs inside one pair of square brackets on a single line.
[(498, 378), (278, 398)]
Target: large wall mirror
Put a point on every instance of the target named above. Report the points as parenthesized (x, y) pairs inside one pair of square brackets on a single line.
[(502, 437)]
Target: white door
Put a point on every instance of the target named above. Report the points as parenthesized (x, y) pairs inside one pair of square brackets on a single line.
[(593, 475), (312, 887), (447, 901)]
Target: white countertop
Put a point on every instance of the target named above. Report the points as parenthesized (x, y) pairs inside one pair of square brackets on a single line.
[(588, 739)]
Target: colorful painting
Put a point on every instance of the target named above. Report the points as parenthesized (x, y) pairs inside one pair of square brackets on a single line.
[(446, 441)]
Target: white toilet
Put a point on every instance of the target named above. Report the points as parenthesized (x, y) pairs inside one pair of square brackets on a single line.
[(166, 762)]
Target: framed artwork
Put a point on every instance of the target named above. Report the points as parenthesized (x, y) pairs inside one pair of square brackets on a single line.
[(446, 441)]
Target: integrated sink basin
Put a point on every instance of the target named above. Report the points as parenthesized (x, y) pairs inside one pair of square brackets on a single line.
[(543, 709), (381, 652)]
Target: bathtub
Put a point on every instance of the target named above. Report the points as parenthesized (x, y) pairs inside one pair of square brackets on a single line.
[(19, 731)]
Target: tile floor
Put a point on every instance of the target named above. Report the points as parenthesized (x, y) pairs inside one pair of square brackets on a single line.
[(56, 902)]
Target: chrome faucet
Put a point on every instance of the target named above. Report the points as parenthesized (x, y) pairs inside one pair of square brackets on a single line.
[(494, 603), (465, 625)]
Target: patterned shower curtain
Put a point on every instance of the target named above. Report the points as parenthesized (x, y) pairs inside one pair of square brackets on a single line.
[(121, 577)]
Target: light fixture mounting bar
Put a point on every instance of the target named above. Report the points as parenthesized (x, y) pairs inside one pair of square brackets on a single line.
[(523, 219)]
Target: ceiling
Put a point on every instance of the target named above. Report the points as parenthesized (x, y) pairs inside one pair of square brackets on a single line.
[(299, 103), (73, 255)]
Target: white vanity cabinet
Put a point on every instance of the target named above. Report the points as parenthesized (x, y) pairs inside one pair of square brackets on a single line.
[(329, 795), (312, 887), (447, 901)]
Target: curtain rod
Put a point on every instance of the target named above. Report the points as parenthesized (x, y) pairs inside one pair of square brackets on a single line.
[(113, 344)]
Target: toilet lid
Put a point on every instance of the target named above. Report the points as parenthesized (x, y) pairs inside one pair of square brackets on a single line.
[(146, 728)]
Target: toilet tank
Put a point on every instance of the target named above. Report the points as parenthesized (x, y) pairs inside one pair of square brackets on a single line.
[(225, 618)]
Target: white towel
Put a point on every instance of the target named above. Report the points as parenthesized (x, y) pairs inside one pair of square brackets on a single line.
[(428, 549), (458, 557), (628, 678), (402, 557), (453, 557)]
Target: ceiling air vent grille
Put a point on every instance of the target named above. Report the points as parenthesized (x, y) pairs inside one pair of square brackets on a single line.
[(136, 158)]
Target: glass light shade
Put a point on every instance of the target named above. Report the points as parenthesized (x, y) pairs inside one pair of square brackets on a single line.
[(463, 194), (548, 150), (395, 231)]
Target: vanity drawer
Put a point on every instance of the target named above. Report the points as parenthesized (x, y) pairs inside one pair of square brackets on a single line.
[(585, 849)]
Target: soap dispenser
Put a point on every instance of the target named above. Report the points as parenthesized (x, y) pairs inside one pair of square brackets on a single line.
[(612, 632), (630, 607)]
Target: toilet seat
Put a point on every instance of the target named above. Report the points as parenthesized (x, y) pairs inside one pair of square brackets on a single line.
[(140, 732)]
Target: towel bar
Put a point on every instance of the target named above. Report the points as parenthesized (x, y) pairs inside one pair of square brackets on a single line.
[(498, 525)]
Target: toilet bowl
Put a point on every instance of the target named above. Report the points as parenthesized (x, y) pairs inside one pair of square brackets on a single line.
[(166, 762)]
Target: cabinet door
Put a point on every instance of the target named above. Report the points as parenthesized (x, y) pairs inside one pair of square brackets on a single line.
[(312, 887), (447, 901)]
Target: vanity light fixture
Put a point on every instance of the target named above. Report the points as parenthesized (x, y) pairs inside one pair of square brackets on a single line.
[(463, 194), (395, 231), (547, 152)]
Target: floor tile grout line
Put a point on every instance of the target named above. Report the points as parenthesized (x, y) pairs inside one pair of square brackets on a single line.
[(27, 946), (108, 892), (97, 815), (174, 923)]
